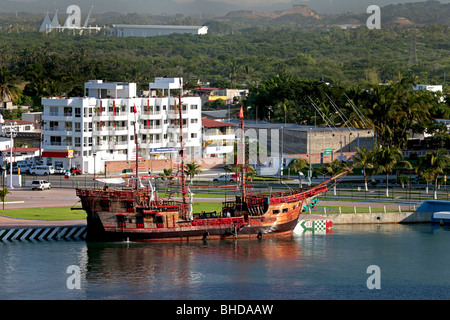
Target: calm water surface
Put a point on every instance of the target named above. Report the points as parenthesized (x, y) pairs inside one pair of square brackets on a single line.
[(413, 259)]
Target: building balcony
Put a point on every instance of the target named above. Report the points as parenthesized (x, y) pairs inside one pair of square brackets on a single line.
[(219, 149), (150, 144), (110, 116), (59, 116), (219, 137), (57, 131), (111, 131), (56, 101), (151, 114), (176, 129), (53, 146), (150, 129), (120, 145)]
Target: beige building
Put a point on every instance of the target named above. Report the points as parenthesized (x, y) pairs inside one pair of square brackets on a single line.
[(293, 139)]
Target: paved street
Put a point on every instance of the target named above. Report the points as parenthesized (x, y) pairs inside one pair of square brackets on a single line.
[(27, 198)]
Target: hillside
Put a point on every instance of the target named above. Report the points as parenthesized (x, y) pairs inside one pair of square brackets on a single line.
[(406, 14), (300, 10)]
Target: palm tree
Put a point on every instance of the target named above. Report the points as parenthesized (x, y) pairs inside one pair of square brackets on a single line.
[(428, 176), (363, 159), (386, 159), (435, 162), (8, 86), (166, 174), (3, 193), (191, 169), (298, 165), (333, 169)]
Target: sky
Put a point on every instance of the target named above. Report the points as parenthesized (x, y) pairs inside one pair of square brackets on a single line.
[(189, 7)]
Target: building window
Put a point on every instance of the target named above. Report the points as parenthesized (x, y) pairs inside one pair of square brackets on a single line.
[(53, 111), (193, 135), (194, 107), (55, 141), (194, 120)]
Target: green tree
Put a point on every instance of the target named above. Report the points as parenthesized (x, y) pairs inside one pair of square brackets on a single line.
[(428, 176), (434, 163), (3, 193), (298, 165), (334, 168), (191, 169), (387, 158), (364, 158), (166, 174), (8, 86)]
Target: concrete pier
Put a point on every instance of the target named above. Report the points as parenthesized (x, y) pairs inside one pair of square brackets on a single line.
[(374, 218)]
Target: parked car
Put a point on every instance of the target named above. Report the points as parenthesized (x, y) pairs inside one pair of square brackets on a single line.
[(42, 170), (60, 170), (40, 184), (75, 171), (225, 177)]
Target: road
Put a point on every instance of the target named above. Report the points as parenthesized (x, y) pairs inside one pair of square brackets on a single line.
[(27, 198)]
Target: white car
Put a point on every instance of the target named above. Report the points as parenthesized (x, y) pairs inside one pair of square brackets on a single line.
[(226, 177), (40, 184), (42, 170)]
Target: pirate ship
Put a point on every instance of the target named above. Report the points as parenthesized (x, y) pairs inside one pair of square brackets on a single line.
[(136, 212)]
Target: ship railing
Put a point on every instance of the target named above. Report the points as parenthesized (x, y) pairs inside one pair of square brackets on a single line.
[(234, 221), (158, 209)]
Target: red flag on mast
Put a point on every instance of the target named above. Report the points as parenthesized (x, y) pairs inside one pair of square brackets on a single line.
[(241, 113)]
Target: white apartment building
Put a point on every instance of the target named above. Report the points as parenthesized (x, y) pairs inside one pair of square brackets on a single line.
[(85, 132)]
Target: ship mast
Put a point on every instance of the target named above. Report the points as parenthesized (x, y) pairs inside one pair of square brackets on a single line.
[(241, 115), (136, 148), (184, 204)]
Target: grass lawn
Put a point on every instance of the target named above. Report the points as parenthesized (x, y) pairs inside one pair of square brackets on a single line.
[(207, 206), (64, 213), (47, 214)]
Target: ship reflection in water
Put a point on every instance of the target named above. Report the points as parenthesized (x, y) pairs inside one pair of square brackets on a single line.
[(195, 270), (302, 266)]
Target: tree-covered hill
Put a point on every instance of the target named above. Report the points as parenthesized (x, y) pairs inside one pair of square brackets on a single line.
[(233, 54)]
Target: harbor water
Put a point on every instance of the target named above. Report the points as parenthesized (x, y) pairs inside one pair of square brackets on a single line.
[(412, 262)]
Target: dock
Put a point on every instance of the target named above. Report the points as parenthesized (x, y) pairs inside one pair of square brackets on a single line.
[(23, 229)]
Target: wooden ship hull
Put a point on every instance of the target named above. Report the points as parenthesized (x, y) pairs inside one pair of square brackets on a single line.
[(120, 215)]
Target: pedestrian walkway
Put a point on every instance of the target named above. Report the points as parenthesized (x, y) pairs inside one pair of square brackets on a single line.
[(12, 223)]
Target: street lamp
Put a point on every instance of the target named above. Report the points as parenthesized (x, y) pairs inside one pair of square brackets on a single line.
[(3, 170), (12, 134)]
